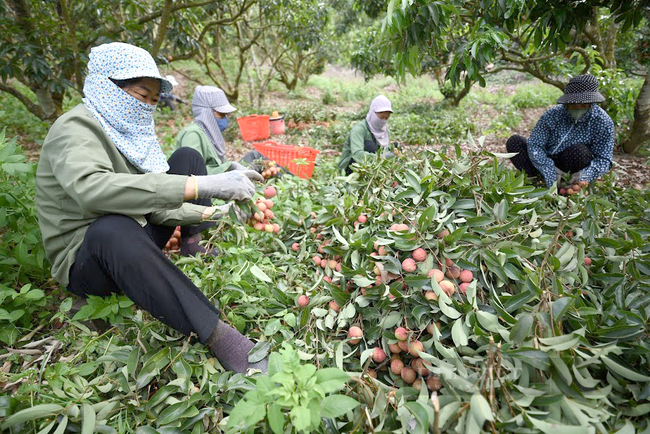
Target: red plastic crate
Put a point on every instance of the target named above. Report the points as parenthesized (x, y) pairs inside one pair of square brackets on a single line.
[(254, 127), (299, 160)]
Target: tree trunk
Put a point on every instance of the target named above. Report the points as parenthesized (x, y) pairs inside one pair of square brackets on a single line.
[(641, 128)]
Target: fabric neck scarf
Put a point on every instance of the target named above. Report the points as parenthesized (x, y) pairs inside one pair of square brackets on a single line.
[(204, 117), (378, 127), (127, 121)]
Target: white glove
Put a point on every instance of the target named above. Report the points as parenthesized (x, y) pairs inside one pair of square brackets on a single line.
[(575, 178), (233, 185), (558, 175), (236, 166), (222, 210)]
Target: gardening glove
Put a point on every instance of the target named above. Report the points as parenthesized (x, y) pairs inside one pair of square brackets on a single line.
[(233, 185), (237, 166), (558, 175), (575, 177), (222, 210)]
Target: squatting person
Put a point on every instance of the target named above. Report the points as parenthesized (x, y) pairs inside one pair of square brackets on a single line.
[(576, 136), (108, 200)]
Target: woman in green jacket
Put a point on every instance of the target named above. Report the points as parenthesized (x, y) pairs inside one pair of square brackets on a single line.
[(108, 200), (211, 108), (367, 136)]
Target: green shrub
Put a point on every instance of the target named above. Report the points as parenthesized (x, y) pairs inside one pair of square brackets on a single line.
[(22, 256), (536, 96)]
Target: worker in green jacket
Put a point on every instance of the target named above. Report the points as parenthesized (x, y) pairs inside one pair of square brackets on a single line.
[(108, 200), (211, 109), (367, 136)]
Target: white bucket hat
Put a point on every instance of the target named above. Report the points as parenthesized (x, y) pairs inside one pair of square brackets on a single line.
[(172, 80)]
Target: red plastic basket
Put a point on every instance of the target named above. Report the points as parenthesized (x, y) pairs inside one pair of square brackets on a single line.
[(254, 127), (298, 160)]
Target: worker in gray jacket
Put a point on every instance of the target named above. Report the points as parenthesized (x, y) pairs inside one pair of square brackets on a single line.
[(108, 201)]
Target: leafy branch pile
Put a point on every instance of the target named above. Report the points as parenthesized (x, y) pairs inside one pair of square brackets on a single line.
[(545, 330)]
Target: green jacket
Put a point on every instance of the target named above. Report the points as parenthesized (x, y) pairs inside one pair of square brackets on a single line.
[(353, 149), (194, 137), (82, 176)]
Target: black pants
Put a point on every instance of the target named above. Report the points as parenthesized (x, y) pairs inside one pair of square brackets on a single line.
[(571, 160), (118, 255)]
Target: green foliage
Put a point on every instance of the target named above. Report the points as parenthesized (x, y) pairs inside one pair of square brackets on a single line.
[(536, 96), (424, 123), (20, 308), (292, 389), (20, 122), (22, 256), (113, 309)]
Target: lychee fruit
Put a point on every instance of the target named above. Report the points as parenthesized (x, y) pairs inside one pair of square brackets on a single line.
[(409, 265), (303, 300), (439, 275), (453, 272), (415, 347), (396, 366), (378, 355), (401, 334), (355, 333), (466, 276), (448, 287), (420, 255), (434, 384), (408, 375), (270, 192)]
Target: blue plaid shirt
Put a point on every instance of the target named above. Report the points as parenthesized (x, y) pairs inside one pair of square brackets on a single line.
[(556, 131)]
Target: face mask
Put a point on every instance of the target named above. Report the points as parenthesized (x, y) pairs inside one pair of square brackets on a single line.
[(577, 113), (223, 123)]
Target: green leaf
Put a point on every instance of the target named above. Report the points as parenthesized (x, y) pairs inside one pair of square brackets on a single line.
[(47, 428), (180, 410), (337, 405), (276, 418), (522, 329), (480, 408), (558, 428), (259, 351), (535, 358), (331, 379), (63, 424), (88, 419), (458, 333), (420, 414), (300, 418), (623, 371), (339, 237), (261, 275), (561, 367), (561, 306), (32, 413)]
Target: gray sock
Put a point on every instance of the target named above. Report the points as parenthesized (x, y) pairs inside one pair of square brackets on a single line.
[(231, 349)]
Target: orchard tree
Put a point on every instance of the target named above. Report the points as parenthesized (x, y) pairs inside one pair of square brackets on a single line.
[(44, 45), (536, 37), (283, 40)]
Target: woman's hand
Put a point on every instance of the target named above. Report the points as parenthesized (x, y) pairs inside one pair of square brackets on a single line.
[(233, 185)]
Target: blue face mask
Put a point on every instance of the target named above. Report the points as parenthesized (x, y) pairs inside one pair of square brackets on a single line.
[(223, 123)]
